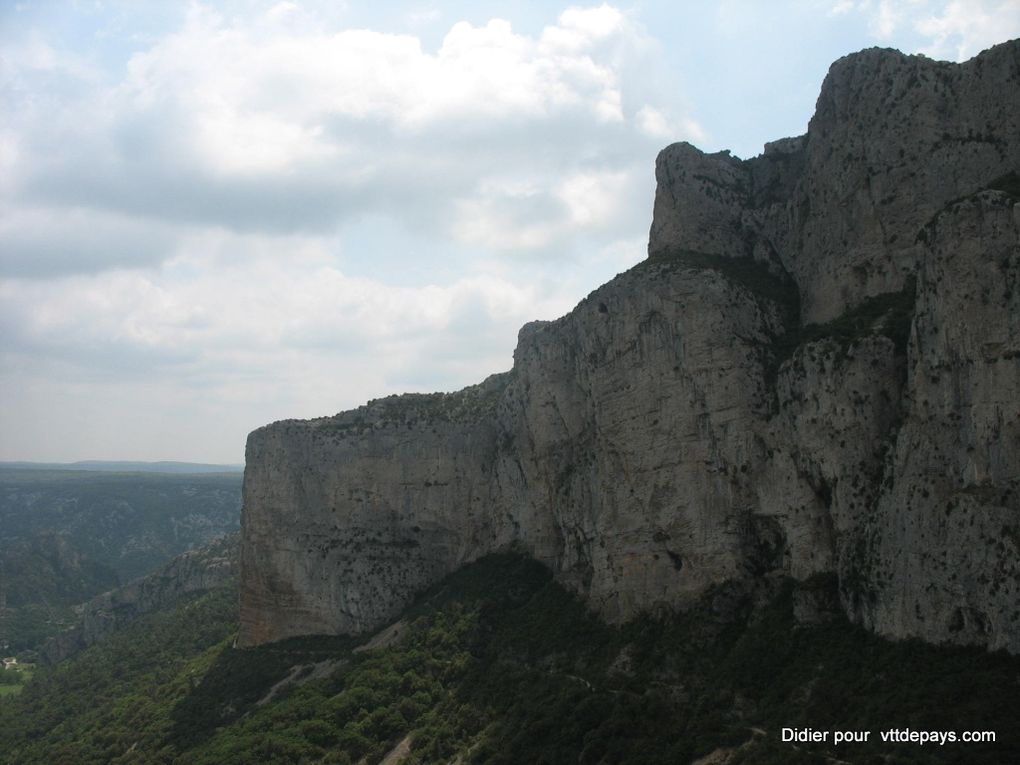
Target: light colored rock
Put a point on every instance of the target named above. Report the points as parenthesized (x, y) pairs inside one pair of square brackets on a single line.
[(631, 423), (347, 518), (612, 453), (945, 560), (385, 638), (893, 139), (699, 202), (686, 425), (399, 753)]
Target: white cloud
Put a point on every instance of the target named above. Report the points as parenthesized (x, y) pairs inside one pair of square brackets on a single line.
[(947, 29), (960, 30), (886, 19), (513, 213), (286, 127), (883, 16), (584, 25), (656, 125), (423, 17), (592, 199), (289, 84), (42, 242), (281, 11), (653, 122), (842, 7), (290, 341), (182, 239)]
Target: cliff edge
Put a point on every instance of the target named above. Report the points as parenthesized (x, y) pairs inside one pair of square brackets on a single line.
[(816, 371)]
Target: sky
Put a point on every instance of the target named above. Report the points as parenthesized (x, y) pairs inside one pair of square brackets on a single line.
[(214, 215)]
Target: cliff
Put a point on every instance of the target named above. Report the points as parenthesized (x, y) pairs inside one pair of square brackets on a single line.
[(816, 372), (211, 566)]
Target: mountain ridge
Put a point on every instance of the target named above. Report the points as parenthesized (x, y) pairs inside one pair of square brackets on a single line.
[(814, 373)]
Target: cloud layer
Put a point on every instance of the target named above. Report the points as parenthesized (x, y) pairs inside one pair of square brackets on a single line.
[(213, 216), (955, 30), (271, 125), (231, 209)]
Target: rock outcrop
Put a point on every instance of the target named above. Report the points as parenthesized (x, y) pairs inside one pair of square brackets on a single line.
[(816, 372), (205, 568), (893, 139)]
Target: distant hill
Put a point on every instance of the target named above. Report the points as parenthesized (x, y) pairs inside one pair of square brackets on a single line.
[(114, 466), (67, 535), (209, 567)]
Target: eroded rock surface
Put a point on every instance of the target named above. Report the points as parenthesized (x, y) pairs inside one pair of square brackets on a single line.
[(816, 372)]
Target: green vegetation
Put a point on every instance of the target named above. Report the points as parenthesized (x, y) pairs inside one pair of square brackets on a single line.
[(119, 693), (67, 535), (888, 314), (409, 410), (13, 680), (501, 665), (28, 626), (753, 275)]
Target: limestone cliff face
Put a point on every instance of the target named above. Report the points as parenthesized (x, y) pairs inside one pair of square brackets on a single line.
[(614, 452), (893, 139), (632, 430), (816, 371), (944, 553), (349, 517)]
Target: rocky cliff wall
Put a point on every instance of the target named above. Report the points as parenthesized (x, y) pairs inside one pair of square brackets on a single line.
[(814, 372), (893, 139), (943, 549), (349, 517)]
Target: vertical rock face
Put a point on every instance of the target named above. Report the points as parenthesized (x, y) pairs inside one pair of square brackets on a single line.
[(816, 371), (893, 139), (349, 517), (945, 538), (631, 427), (700, 203)]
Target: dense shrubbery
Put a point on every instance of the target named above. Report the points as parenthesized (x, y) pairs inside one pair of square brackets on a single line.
[(502, 666)]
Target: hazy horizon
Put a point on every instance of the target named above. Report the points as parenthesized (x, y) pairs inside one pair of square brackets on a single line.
[(123, 465)]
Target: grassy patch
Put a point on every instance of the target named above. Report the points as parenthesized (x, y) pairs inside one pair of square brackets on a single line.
[(14, 679)]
